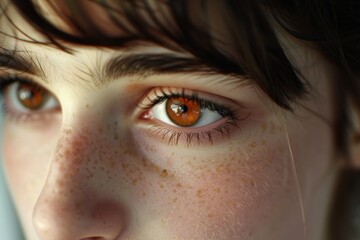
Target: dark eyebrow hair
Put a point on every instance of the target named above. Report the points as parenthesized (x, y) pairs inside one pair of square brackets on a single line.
[(21, 61), (146, 64), (123, 65)]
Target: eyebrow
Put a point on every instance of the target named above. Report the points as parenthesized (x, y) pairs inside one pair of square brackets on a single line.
[(146, 64), (21, 61), (124, 65)]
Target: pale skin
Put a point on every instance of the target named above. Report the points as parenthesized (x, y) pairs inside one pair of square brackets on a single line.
[(98, 168)]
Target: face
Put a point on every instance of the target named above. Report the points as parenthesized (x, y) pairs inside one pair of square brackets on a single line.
[(93, 151)]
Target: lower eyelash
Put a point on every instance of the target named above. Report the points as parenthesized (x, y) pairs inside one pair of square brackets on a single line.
[(173, 137), (17, 118)]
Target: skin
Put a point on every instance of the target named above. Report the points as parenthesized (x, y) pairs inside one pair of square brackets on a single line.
[(96, 170)]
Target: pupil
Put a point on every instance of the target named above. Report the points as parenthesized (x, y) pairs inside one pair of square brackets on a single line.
[(183, 108)]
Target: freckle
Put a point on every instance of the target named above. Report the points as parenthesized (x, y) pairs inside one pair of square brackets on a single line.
[(174, 200), (134, 181), (60, 182), (144, 163), (116, 136), (68, 152), (164, 173), (162, 186), (210, 215), (217, 190), (200, 193), (179, 185), (100, 129), (67, 131), (252, 183), (219, 168)]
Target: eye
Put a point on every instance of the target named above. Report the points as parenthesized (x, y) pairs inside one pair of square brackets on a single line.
[(184, 112), (186, 109), (22, 98), (185, 116)]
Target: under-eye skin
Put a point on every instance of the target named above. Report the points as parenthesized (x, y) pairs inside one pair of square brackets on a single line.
[(190, 117), (24, 100)]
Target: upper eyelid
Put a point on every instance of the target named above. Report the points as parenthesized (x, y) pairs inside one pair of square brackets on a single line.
[(7, 79), (12, 76), (166, 92)]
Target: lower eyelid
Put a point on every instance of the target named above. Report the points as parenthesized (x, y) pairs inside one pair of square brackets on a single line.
[(211, 134)]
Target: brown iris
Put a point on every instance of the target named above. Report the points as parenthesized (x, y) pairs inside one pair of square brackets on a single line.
[(182, 111), (31, 96)]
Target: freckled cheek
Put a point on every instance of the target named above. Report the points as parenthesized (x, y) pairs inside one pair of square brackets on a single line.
[(230, 195)]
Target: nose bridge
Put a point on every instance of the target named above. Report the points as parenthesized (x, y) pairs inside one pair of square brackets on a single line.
[(73, 154), (70, 207)]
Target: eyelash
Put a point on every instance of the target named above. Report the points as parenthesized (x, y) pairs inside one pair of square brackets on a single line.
[(161, 95), (233, 118)]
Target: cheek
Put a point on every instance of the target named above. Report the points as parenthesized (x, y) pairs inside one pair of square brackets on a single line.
[(27, 155), (227, 194)]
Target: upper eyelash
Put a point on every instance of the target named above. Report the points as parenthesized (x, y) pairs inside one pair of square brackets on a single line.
[(9, 79), (224, 111)]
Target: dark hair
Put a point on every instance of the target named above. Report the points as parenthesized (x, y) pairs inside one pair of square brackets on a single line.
[(233, 37)]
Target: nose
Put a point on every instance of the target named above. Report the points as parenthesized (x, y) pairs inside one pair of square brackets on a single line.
[(72, 205)]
